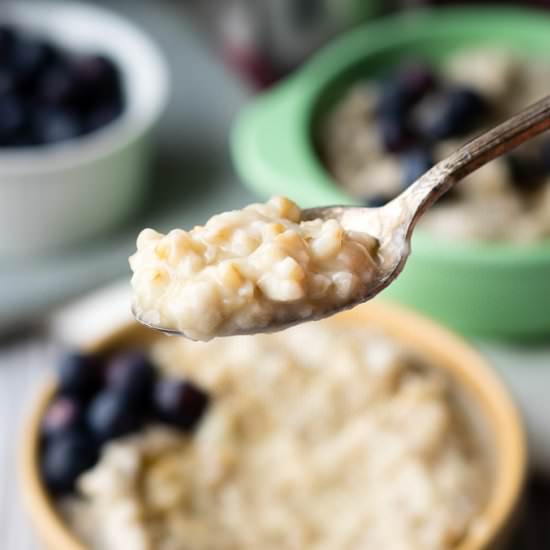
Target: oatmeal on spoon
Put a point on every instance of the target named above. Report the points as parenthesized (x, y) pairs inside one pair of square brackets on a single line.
[(247, 269)]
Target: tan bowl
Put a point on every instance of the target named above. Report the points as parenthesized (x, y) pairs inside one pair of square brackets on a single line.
[(487, 406)]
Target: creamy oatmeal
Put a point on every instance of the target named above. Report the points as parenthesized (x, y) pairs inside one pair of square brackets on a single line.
[(376, 142), (248, 268), (324, 437)]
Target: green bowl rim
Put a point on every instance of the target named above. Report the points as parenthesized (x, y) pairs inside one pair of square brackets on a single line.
[(308, 84)]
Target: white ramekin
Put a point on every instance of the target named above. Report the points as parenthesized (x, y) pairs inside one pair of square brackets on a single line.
[(59, 195)]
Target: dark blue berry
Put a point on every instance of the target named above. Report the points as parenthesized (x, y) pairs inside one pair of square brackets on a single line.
[(51, 125), (457, 112), (467, 105), (65, 458), (97, 78), (111, 414), (28, 58), (180, 403), (102, 116), (400, 92), (80, 375), (63, 415), (415, 79), (12, 119), (393, 102), (7, 81), (134, 375), (53, 96), (49, 96), (414, 164), (394, 134), (56, 85), (8, 37)]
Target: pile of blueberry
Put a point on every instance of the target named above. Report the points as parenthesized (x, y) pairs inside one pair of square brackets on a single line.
[(99, 400), (416, 110), (48, 95)]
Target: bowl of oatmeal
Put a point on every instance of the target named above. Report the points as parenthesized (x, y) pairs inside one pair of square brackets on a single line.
[(375, 428), (379, 107)]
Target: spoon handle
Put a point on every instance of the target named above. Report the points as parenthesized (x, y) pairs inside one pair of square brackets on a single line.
[(518, 129)]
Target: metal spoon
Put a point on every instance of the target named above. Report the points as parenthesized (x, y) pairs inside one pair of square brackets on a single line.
[(394, 223)]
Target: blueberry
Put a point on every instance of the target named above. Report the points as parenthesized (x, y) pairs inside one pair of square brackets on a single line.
[(393, 102), (180, 403), (102, 115), (97, 78), (416, 79), (400, 92), (97, 69), (459, 111), (51, 125), (65, 458), (79, 375), (49, 96), (28, 57), (467, 105), (111, 414), (7, 81), (12, 119), (56, 85), (134, 375), (8, 37), (63, 415), (414, 164), (394, 134)]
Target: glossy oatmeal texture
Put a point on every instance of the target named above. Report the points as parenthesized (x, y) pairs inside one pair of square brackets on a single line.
[(247, 268)]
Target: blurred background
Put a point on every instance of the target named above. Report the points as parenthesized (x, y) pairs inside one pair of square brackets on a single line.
[(78, 183)]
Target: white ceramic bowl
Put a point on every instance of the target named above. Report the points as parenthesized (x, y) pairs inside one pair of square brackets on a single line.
[(58, 195)]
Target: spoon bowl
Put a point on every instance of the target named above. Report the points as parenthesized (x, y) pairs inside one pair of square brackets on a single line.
[(392, 225)]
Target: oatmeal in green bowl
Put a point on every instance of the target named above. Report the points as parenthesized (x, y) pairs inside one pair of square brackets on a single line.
[(386, 132)]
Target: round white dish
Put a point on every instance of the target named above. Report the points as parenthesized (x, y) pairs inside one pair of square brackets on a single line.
[(59, 195)]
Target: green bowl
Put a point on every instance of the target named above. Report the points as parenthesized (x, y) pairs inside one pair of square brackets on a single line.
[(494, 290)]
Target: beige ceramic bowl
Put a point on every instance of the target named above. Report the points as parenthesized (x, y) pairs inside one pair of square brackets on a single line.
[(491, 413)]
